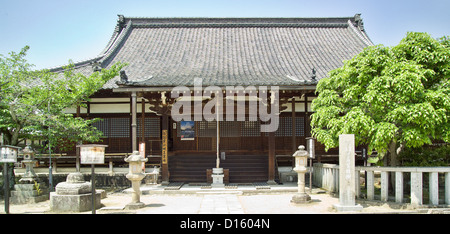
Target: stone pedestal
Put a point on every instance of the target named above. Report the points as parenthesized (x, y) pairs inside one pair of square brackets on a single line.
[(136, 193), (74, 203), (347, 174), (301, 198), (74, 195), (217, 177), (29, 193)]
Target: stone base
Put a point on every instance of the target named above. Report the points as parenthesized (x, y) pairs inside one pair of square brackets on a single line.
[(301, 198), (27, 199), (341, 208), (27, 194), (65, 188), (218, 185), (74, 203), (271, 182), (134, 206), (217, 179)]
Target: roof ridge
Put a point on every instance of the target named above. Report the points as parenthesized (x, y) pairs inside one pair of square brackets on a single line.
[(195, 25), (237, 21), (199, 17), (116, 39), (361, 34)]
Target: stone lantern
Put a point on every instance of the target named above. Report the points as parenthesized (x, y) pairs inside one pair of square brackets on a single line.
[(135, 175), (29, 177), (301, 157), (29, 189)]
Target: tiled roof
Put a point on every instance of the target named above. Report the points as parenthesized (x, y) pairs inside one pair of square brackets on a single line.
[(230, 51)]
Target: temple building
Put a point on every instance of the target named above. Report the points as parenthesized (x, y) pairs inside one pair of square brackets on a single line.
[(258, 73)]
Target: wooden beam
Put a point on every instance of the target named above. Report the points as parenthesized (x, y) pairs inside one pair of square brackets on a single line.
[(271, 164)]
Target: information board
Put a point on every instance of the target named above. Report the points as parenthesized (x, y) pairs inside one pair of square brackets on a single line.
[(94, 154)]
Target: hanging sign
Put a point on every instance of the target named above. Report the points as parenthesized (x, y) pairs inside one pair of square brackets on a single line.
[(8, 154), (142, 153)]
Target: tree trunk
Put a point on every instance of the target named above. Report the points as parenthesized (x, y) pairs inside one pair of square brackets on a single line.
[(394, 151), (15, 137)]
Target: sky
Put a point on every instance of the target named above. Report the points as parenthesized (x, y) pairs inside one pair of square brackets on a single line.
[(61, 30)]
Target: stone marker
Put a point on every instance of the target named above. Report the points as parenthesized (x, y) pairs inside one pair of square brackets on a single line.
[(347, 174)]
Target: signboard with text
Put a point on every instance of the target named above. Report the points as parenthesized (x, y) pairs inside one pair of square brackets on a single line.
[(8, 154), (164, 146), (92, 154)]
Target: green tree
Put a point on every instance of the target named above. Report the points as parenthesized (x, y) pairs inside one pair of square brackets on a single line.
[(33, 102), (389, 97)]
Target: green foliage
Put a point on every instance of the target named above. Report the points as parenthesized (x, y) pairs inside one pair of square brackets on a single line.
[(387, 96), (33, 102), (36, 187), (426, 156)]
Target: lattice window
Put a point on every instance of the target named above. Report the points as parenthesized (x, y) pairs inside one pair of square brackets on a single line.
[(152, 127), (299, 126), (229, 128), (284, 127), (103, 126), (206, 129), (250, 128), (120, 127)]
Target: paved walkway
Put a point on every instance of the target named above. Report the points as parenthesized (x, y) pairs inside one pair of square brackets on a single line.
[(220, 204), (198, 200)]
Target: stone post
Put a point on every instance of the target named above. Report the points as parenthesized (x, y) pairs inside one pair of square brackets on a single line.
[(135, 175), (347, 174)]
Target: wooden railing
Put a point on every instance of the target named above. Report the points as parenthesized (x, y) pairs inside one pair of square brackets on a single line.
[(327, 176)]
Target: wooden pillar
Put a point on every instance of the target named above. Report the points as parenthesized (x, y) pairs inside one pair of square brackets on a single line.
[(164, 159), (271, 159), (307, 128), (143, 120), (294, 142), (133, 122), (142, 143)]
